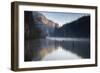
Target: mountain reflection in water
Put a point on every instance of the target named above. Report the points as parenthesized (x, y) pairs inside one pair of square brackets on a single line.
[(54, 49)]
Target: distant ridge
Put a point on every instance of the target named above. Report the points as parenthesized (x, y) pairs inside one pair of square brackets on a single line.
[(79, 28)]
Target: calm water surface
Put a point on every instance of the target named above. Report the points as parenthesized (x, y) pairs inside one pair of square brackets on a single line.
[(56, 49)]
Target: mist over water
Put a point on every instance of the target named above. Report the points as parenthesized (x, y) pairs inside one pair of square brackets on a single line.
[(53, 49)]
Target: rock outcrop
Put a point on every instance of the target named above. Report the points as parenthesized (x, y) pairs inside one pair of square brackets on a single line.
[(37, 25)]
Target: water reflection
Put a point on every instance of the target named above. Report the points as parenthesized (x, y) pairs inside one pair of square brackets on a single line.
[(47, 49)]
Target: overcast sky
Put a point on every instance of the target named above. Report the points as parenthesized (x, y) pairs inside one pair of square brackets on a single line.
[(62, 18)]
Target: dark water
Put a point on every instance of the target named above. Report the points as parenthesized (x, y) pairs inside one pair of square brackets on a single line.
[(54, 49)]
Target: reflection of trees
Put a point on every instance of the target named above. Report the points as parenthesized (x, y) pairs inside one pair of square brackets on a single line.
[(81, 48), (38, 48)]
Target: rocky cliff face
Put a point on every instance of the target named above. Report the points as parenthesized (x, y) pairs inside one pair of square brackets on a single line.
[(37, 25), (40, 18)]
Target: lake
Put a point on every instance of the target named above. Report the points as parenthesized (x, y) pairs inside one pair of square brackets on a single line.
[(55, 48)]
